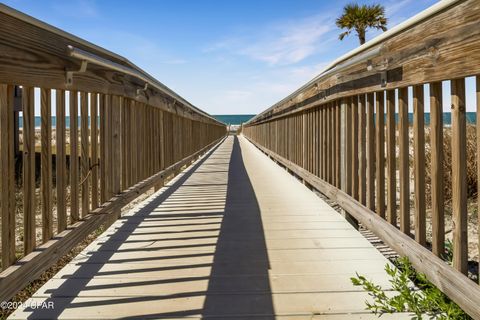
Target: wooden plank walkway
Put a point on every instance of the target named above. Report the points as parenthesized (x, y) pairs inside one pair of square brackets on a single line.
[(232, 236)]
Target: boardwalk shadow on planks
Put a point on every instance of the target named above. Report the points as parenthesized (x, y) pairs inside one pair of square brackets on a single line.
[(238, 282), (240, 265), (91, 267)]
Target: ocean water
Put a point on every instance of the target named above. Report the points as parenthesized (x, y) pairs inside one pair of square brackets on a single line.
[(237, 119)]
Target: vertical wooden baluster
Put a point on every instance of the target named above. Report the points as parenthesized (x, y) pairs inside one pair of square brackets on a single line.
[(436, 141), (404, 158), (29, 225), (332, 142), (391, 160), (156, 140), (419, 159), (46, 164), (311, 138), (123, 141), (108, 145), (324, 142), (139, 141), (304, 141), (7, 170), (348, 144), (74, 156), (362, 181), (459, 178), (60, 161), (162, 140), (132, 142), (328, 140), (85, 156), (115, 159), (354, 175), (370, 154), (103, 142), (338, 128), (94, 147), (380, 153)]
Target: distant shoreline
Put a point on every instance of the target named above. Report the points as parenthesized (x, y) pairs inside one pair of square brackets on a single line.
[(238, 119), (230, 119)]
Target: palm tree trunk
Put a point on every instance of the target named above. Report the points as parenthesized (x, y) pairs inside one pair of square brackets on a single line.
[(361, 36)]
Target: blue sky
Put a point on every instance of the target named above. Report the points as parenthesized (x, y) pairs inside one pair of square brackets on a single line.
[(226, 57)]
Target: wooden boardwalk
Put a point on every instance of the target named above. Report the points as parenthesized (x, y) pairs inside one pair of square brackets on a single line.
[(232, 236)]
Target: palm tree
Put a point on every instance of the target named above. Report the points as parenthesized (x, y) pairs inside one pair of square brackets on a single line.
[(360, 18)]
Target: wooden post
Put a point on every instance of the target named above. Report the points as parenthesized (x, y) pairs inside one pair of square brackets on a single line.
[(338, 143), (60, 161), (85, 156), (116, 160), (7, 167), (103, 142), (29, 226), (362, 181), (354, 153), (380, 153), (419, 153), (404, 158), (74, 156), (370, 153), (391, 160), (459, 178), (436, 142), (94, 147), (46, 164), (347, 171)]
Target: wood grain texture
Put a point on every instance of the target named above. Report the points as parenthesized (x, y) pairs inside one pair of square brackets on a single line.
[(7, 211), (370, 153), (85, 154), (46, 164), (419, 165), (61, 177), (103, 176), (29, 226), (436, 143), (452, 282), (391, 160), (459, 178), (34, 264), (380, 153), (354, 175), (347, 104), (362, 152), (94, 148), (74, 203), (404, 169)]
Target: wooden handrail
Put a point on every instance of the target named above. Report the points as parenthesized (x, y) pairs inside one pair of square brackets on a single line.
[(114, 139), (344, 135)]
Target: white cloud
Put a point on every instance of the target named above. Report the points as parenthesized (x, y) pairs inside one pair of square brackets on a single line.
[(281, 43)]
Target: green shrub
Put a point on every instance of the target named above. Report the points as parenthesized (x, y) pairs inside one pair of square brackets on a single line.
[(423, 300)]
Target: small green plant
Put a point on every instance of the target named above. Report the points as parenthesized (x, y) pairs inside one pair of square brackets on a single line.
[(448, 255), (415, 294)]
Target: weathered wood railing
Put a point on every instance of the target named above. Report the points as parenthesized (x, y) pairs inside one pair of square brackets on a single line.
[(347, 133), (124, 134)]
